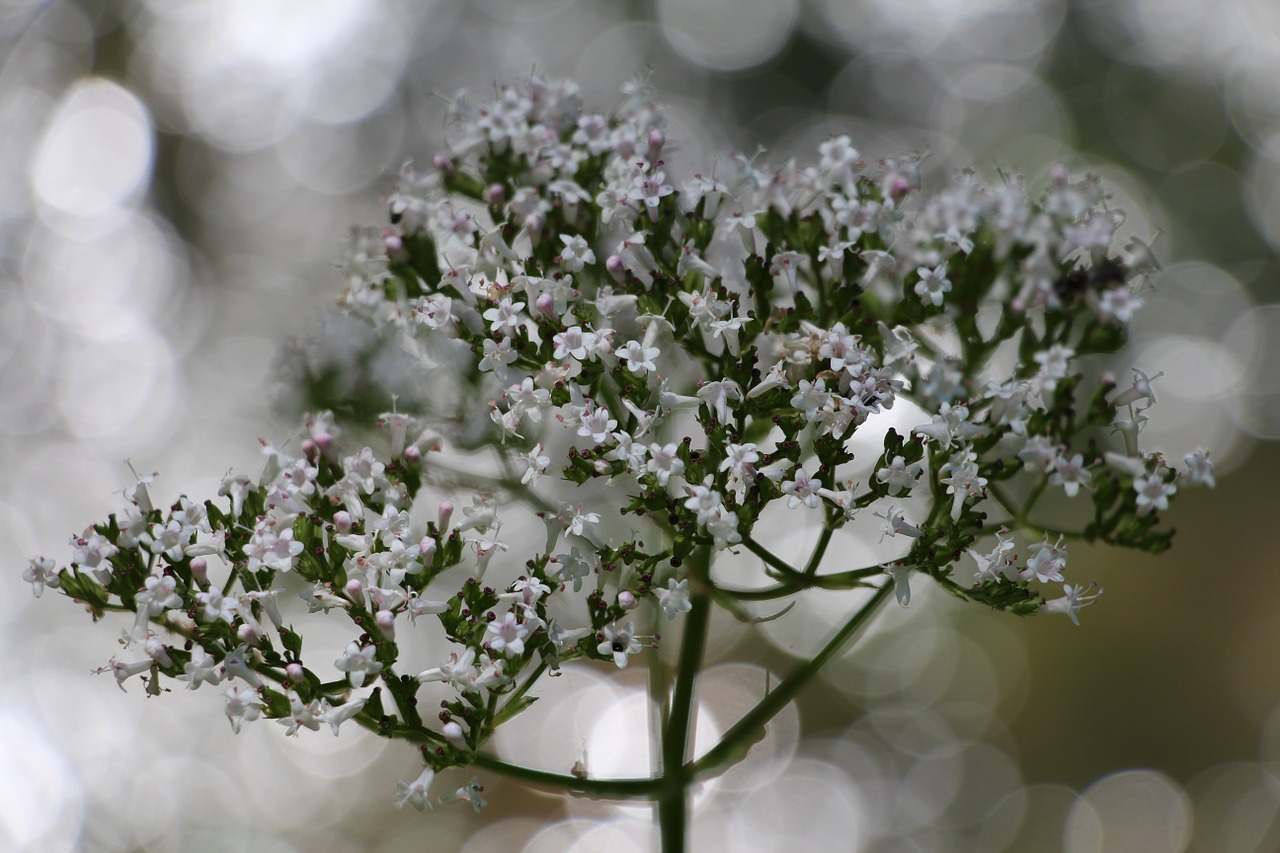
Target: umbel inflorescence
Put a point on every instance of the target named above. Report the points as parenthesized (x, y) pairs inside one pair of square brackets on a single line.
[(639, 372)]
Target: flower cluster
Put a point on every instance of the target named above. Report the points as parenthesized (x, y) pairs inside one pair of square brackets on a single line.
[(646, 368)]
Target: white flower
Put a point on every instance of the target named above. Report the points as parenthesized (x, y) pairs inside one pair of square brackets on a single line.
[(506, 635), (358, 662), (415, 793), (933, 284), (1153, 493), (675, 598), (576, 253), (1199, 468), (619, 642), (1071, 603), (899, 476), (802, 489)]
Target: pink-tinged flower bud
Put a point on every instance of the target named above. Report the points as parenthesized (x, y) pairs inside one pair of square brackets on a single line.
[(354, 589), (546, 305), (617, 269), (533, 224), (412, 453), (427, 548), (324, 441), (1059, 175), (200, 570), (442, 163), (657, 139), (627, 601), (496, 193), (392, 242), (603, 467), (453, 734), (342, 521), (247, 633), (309, 448), (899, 187), (446, 513), (386, 622), (295, 672)]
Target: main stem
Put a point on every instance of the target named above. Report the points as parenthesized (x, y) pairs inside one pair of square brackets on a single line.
[(673, 793)]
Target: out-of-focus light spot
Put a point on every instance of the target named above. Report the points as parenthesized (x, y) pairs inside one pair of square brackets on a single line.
[(909, 666), (41, 805), (1158, 134), (341, 158), (327, 757), (810, 800), (1257, 334), (96, 154), (616, 55), (106, 286), (618, 745), (1189, 32), (1128, 811), (1200, 374), (496, 834), (553, 733), (621, 836), (728, 35), (986, 81), (524, 11), (286, 32), (108, 386), (1252, 100), (928, 786), (345, 91), (729, 691), (1193, 299), (1261, 187), (1029, 820), (559, 836), (998, 29), (1236, 807)]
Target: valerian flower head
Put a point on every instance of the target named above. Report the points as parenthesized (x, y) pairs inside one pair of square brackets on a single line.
[(616, 383)]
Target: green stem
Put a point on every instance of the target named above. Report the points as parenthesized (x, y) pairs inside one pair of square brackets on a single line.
[(658, 696), (673, 794), (748, 730), (851, 579), (820, 550), (771, 559), (626, 789)]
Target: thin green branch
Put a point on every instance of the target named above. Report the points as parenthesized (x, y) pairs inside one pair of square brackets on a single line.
[(748, 730), (630, 789), (770, 559)]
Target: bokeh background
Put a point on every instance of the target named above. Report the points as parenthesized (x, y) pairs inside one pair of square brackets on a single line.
[(175, 181)]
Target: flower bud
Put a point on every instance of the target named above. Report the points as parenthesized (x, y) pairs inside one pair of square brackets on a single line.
[(412, 453), (627, 600), (657, 139), (453, 734), (546, 305), (496, 193), (200, 570), (446, 513), (386, 622), (295, 672), (617, 269), (342, 521), (442, 163), (354, 589)]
